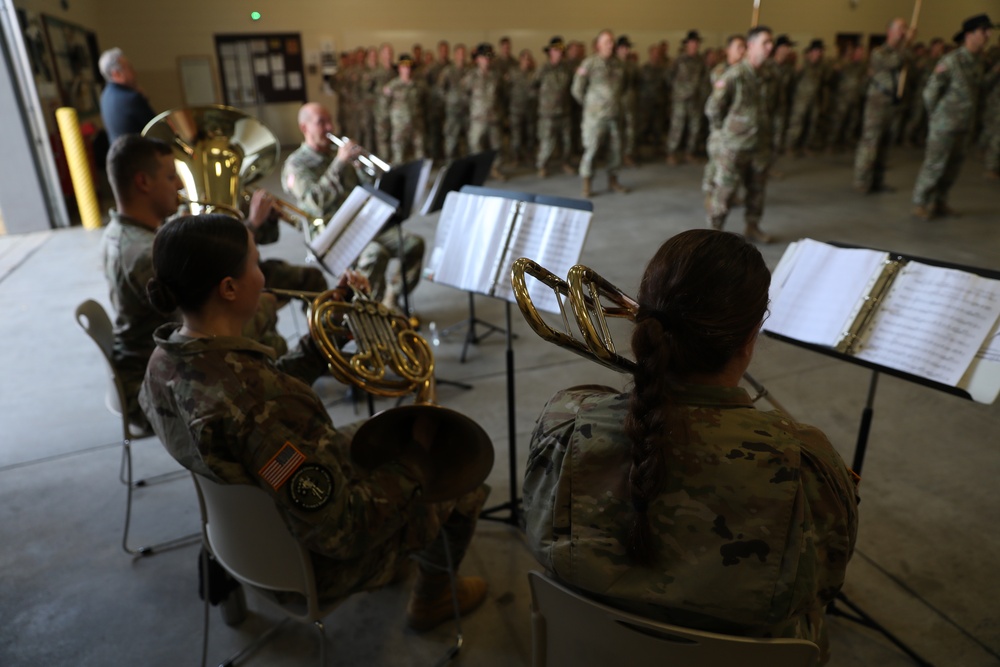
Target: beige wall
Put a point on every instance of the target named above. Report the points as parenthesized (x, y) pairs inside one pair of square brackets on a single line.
[(154, 34)]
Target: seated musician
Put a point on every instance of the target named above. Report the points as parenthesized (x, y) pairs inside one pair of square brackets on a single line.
[(679, 500), (144, 181), (320, 179), (225, 407)]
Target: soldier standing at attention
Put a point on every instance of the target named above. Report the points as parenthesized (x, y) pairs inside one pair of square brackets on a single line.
[(520, 83), (553, 81), (368, 93), (916, 126), (434, 113), (782, 75), (456, 102), (736, 48), (653, 99), (485, 88), (952, 98), (630, 101), (406, 112), (741, 136), (687, 80), (848, 100), (881, 108), (991, 125), (382, 76), (808, 101), (597, 86)]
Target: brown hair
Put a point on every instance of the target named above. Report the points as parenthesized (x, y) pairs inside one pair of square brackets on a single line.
[(701, 298)]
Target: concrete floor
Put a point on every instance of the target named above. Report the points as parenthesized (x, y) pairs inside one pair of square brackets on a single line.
[(927, 551)]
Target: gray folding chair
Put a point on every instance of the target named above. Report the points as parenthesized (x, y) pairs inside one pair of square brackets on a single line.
[(94, 320), (570, 629)]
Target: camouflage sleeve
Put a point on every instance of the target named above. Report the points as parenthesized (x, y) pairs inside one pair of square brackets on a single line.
[(719, 101), (580, 81), (936, 86), (304, 361), (319, 196)]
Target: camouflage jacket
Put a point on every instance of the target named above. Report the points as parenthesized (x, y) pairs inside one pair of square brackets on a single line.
[(406, 102), (376, 80), (687, 77), (753, 529), (449, 83), (520, 91), (738, 110), (884, 67), (851, 82), (653, 84), (318, 182), (781, 77), (553, 83), (486, 95), (953, 91), (598, 86), (226, 409), (811, 84)]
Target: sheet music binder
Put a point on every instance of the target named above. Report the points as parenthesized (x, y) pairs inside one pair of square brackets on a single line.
[(481, 232), (919, 319), (358, 220)]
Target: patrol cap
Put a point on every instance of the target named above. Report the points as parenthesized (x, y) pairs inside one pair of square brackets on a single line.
[(484, 49), (404, 59), (623, 41), (692, 35), (783, 40), (972, 24), (816, 44), (555, 43)]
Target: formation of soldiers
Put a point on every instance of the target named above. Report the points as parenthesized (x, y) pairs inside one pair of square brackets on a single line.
[(454, 103)]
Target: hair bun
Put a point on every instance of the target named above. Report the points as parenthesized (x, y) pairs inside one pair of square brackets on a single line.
[(161, 296)]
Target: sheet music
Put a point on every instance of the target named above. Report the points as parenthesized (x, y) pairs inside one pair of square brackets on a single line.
[(357, 231), (815, 299), (933, 322), (470, 235), (553, 237), (990, 351), (345, 214)]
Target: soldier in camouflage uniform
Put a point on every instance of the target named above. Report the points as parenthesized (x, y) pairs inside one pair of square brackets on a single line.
[(630, 100), (687, 79), (736, 48), (991, 116), (553, 84), (597, 86), (672, 501), (809, 101), (852, 79), (226, 409), (781, 75), (456, 102), (653, 91), (367, 94), (320, 179), (485, 88), (915, 132), (435, 102), (520, 94), (144, 181), (406, 112), (379, 80), (881, 107), (952, 97), (740, 121)]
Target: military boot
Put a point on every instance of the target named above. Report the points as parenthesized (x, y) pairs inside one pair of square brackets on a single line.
[(615, 186), (587, 187), (568, 169), (754, 233), (497, 175), (922, 212), (543, 173), (431, 600)]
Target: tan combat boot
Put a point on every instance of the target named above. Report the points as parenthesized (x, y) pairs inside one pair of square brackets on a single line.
[(922, 212), (628, 161), (568, 169), (543, 173), (431, 601), (615, 186), (671, 160), (587, 187), (497, 175), (754, 233)]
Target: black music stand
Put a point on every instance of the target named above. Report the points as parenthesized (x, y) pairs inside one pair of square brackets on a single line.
[(404, 182), (864, 428)]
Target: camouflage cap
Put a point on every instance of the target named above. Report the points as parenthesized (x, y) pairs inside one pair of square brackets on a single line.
[(972, 24)]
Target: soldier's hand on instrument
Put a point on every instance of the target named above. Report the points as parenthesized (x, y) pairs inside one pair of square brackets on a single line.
[(349, 152), (261, 205), (356, 281)]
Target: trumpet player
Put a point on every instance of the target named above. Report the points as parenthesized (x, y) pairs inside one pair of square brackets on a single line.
[(320, 179), (226, 409), (678, 499)]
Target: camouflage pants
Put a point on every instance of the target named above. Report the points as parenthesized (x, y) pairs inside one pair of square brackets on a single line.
[(844, 122), (942, 161), (374, 260), (553, 129), (687, 114), (456, 125), (991, 137), (652, 119), (407, 136), (366, 131), (435, 131), (916, 125), (630, 122), (480, 130), (521, 134), (873, 148), (708, 178), (383, 133), (803, 125), (595, 132), (779, 129), (733, 169)]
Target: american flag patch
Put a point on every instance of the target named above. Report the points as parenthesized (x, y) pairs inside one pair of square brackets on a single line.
[(281, 466)]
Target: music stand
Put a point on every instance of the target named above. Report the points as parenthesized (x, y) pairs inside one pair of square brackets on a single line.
[(403, 183), (864, 428)]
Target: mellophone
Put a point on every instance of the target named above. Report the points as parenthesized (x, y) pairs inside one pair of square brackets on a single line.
[(591, 299)]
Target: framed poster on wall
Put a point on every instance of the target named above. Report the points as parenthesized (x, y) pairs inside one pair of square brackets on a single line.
[(74, 53), (261, 68)]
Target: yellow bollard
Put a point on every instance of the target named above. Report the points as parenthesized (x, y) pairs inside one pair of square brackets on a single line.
[(79, 167)]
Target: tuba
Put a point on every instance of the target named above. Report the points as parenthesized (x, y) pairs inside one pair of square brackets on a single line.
[(392, 360), (591, 299)]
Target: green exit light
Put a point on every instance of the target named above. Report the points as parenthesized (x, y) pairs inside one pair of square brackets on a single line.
[(255, 16)]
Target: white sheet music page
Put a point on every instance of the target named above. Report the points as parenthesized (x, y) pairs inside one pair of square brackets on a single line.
[(366, 226), (933, 322), (341, 218), (553, 237), (471, 233), (816, 298)]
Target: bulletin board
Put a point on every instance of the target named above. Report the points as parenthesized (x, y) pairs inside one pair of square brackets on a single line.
[(261, 68)]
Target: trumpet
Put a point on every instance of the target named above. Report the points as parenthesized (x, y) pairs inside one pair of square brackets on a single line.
[(588, 295), (393, 360), (372, 164), (292, 214)]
